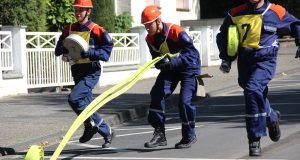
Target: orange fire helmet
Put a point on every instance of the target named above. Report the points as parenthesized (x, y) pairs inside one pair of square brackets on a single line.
[(83, 3), (150, 14)]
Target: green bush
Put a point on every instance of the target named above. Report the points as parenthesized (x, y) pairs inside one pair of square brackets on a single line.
[(103, 14), (59, 14), (30, 13), (123, 22)]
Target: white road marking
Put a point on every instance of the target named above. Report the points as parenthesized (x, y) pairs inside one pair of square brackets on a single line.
[(84, 145), (285, 80), (242, 104), (272, 86), (148, 158), (284, 85), (75, 142), (145, 128)]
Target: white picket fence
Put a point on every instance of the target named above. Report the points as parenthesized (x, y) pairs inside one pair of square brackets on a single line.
[(6, 58), (44, 69)]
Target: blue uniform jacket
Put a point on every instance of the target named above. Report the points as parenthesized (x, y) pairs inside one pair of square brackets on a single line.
[(178, 42), (275, 18), (99, 39)]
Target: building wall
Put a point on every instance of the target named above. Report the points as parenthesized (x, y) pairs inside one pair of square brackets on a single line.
[(122, 6), (137, 7), (193, 13), (168, 9)]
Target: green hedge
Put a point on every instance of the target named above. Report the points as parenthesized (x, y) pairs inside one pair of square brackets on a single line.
[(103, 14), (59, 14), (31, 13), (123, 22), (53, 15)]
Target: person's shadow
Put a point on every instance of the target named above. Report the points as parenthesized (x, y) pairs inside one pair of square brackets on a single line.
[(6, 151)]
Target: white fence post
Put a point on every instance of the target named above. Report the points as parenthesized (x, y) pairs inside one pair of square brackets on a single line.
[(209, 57), (0, 64), (18, 49), (16, 79), (0, 69), (144, 50), (196, 36)]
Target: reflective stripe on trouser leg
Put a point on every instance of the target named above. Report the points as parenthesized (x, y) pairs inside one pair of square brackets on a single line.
[(256, 113), (271, 115), (157, 118), (104, 129), (187, 110), (254, 77), (81, 96), (163, 87)]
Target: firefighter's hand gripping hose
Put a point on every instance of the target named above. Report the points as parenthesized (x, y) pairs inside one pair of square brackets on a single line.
[(98, 102)]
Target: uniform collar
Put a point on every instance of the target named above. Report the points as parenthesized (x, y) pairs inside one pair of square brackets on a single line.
[(86, 24), (262, 8)]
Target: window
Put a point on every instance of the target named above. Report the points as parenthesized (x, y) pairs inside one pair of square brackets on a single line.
[(183, 5), (153, 2)]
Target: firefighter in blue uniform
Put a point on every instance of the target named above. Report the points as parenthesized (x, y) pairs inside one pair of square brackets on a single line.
[(86, 70), (181, 65), (257, 22)]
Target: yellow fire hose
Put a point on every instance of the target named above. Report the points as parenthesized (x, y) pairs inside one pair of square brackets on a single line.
[(35, 153), (233, 41)]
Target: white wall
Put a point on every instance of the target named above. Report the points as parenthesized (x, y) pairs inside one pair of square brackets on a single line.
[(122, 6), (168, 9), (137, 6), (193, 14)]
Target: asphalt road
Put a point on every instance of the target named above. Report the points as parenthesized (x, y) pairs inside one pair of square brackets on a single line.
[(35, 118), (220, 130)]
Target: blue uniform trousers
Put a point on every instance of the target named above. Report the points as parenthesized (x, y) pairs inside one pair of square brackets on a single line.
[(164, 86), (256, 70), (86, 76)]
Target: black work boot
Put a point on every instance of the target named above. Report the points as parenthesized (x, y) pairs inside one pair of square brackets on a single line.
[(108, 139), (159, 139), (274, 130), (89, 130), (254, 148), (185, 143)]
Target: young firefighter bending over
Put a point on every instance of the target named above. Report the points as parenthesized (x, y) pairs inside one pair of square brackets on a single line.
[(181, 65)]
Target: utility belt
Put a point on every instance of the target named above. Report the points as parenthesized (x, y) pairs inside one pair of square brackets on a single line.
[(260, 47), (85, 69), (90, 64), (83, 61)]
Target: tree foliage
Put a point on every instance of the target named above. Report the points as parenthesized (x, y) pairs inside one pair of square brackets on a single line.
[(30, 13), (59, 14), (123, 22), (103, 14)]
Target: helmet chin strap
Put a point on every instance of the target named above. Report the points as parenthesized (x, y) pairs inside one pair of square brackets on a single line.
[(254, 5), (86, 15), (157, 26)]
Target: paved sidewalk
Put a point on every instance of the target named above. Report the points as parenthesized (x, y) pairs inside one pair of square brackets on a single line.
[(45, 117)]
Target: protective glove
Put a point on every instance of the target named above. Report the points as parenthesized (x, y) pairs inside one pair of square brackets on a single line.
[(162, 61), (66, 58), (225, 66), (170, 65), (64, 50), (61, 50), (298, 53), (85, 54)]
